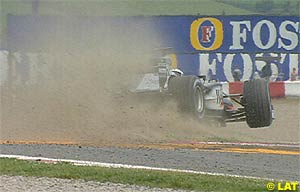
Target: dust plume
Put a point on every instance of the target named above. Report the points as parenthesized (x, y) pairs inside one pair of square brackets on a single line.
[(85, 97)]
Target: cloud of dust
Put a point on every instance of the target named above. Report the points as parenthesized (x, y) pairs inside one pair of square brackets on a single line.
[(86, 97)]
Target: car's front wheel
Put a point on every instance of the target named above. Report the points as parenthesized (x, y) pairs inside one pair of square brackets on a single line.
[(257, 103)]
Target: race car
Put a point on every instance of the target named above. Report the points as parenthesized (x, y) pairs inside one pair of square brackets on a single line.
[(205, 99)]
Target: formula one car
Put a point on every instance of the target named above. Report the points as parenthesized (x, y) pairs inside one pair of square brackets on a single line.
[(205, 99)]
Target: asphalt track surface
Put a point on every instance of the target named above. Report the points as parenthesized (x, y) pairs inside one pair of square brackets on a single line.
[(282, 166)]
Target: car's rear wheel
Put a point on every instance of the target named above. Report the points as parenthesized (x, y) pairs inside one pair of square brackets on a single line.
[(257, 103), (188, 91)]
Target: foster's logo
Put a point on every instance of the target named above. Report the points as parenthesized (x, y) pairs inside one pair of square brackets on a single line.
[(206, 34)]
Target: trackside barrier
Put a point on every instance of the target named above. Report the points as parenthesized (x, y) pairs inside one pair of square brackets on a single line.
[(277, 89), (292, 88), (37, 73)]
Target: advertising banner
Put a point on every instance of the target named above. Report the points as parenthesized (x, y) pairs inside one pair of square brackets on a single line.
[(206, 45), (215, 46)]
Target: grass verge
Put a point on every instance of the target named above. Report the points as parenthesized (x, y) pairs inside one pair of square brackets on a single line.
[(159, 179)]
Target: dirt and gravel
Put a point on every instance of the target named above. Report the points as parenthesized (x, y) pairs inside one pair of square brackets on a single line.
[(126, 118), (33, 184)]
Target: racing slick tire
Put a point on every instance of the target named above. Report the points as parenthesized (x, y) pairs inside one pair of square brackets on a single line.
[(189, 93), (258, 106)]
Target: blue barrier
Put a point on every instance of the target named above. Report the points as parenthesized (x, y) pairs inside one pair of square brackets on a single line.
[(204, 45)]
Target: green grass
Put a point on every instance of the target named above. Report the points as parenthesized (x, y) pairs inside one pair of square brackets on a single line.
[(269, 7), (123, 7), (131, 176)]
